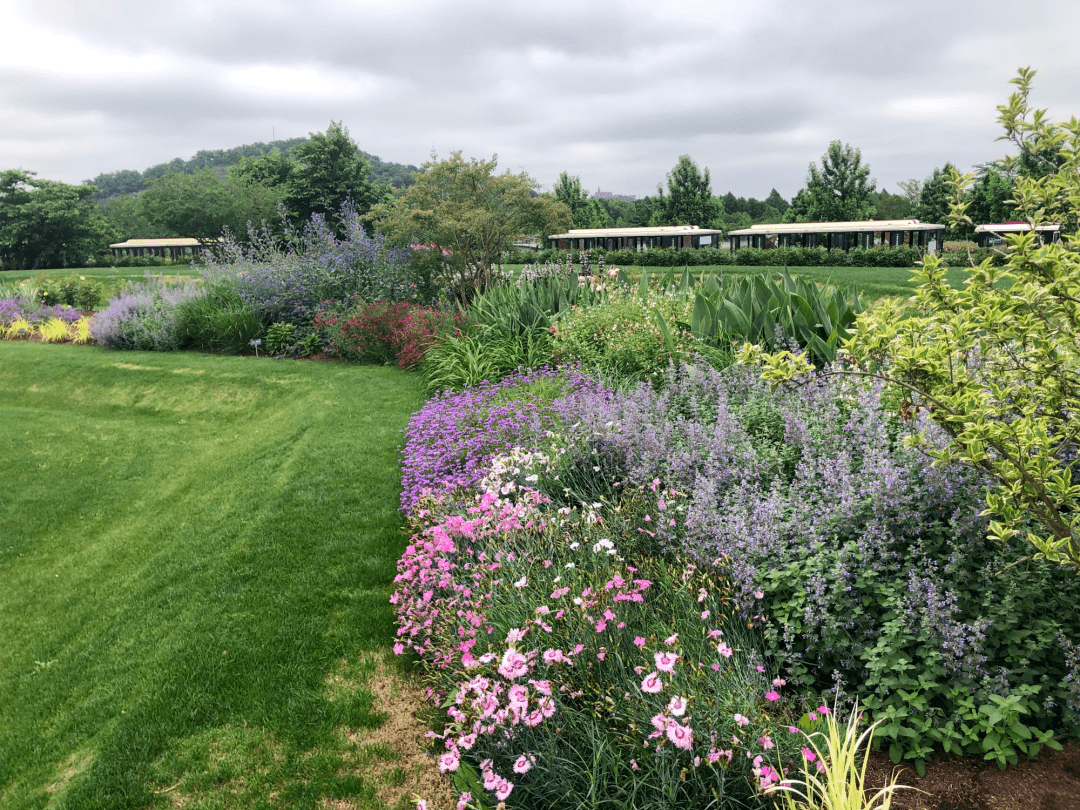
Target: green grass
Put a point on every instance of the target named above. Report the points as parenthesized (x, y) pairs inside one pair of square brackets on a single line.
[(872, 282), (189, 546)]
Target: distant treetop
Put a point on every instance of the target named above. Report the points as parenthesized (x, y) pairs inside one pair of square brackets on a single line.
[(128, 181)]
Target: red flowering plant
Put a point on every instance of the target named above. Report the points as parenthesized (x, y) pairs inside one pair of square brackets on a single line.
[(384, 332)]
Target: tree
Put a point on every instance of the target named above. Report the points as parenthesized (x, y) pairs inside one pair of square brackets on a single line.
[(273, 169), (568, 191), (595, 215), (466, 216), (689, 200), (114, 183), (799, 210), (935, 198), (48, 224), (777, 202), (990, 197), (996, 363), (912, 190), (329, 171), (890, 206), (839, 191), (202, 205), (124, 216)]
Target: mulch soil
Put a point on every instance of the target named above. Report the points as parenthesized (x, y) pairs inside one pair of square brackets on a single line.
[(1050, 782)]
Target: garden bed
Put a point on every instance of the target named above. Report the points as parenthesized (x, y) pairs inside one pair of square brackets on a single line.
[(709, 489), (1051, 782)]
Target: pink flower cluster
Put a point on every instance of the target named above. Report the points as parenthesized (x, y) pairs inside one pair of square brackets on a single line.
[(577, 620)]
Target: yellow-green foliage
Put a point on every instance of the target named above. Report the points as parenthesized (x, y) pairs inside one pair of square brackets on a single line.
[(80, 331), (19, 328), (623, 335), (54, 330), (840, 782)]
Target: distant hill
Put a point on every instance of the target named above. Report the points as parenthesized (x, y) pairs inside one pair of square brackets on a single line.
[(128, 181)]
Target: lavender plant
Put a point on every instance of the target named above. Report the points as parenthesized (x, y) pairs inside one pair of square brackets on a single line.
[(450, 441), (871, 561), (286, 280), (146, 316)]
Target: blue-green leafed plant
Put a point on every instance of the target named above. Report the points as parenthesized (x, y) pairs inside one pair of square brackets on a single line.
[(754, 309)]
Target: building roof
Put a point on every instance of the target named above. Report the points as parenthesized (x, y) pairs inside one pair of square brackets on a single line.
[(660, 230), (864, 226), (1015, 227), (163, 243)]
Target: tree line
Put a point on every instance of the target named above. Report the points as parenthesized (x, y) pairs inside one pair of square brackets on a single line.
[(838, 189), (128, 181), (49, 224)]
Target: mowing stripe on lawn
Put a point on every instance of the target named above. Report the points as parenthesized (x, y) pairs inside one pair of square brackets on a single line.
[(187, 542)]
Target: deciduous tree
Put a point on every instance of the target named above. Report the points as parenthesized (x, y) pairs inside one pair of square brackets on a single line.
[(569, 192), (464, 214), (329, 171), (202, 205), (689, 200), (837, 192), (935, 196), (44, 223)]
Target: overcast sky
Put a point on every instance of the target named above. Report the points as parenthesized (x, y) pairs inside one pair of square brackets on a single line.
[(610, 91)]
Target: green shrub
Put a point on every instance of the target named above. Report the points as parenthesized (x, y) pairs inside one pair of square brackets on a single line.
[(73, 291), (280, 337), (960, 258), (622, 336)]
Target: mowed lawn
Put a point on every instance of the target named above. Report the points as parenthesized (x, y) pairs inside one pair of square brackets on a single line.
[(190, 545), (871, 282)]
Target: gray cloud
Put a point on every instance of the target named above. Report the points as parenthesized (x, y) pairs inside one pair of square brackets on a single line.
[(611, 91)]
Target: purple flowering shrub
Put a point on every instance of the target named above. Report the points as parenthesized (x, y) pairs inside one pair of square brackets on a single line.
[(286, 281), (567, 669), (146, 316), (877, 576), (451, 440)]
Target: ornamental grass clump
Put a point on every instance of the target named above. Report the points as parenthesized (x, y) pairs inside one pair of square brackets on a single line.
[(54, 330), (833, 778), (451, 440), (569, 664)]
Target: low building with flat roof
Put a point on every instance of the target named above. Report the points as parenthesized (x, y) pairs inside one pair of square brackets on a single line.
[(172, 248), (926, 236), (993, 233), (677, 236)]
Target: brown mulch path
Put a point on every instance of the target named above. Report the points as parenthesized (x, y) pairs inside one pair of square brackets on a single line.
[(1050, 782)]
